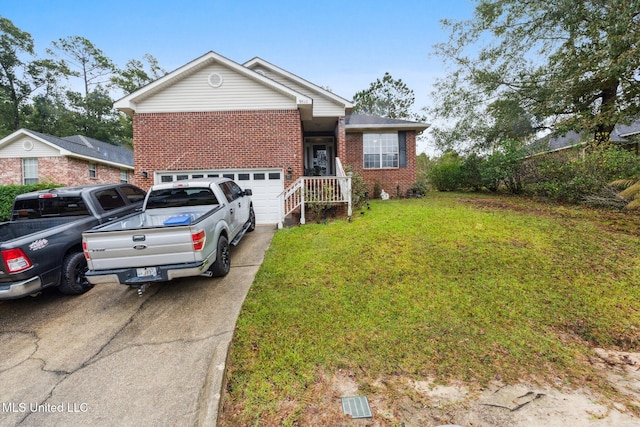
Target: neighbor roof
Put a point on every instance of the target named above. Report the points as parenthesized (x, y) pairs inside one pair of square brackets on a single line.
[(625, 131), (620, 134), (83, 147)]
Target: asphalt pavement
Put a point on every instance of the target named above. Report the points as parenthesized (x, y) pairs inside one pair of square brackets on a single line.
[(110, 357)]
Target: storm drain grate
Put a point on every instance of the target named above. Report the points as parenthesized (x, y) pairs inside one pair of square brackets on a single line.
[(356, 406)]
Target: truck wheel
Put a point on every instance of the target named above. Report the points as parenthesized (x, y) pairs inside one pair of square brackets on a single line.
[(252, 219), (73, 282), (222, 264)]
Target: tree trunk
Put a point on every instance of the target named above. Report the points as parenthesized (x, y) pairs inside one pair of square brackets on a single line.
[(609, 96)]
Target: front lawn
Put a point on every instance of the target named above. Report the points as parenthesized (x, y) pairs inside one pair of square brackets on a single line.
[(449, 287)]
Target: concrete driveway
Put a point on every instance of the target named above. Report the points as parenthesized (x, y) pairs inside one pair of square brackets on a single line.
[(109, 357)]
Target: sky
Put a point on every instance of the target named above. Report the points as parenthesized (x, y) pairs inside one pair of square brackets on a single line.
[(343, 45)]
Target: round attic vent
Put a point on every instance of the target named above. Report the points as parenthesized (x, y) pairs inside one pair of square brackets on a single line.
[(215, 80), (27, 145)]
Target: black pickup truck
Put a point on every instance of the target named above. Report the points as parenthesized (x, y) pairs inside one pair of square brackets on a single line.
[(41, 246)]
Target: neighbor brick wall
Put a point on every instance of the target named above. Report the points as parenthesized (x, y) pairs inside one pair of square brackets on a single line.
[(10, 171), (59, 170), (391, 180), (217, 140), (78, 173)]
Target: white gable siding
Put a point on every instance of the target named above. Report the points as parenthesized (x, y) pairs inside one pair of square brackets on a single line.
[(19, 149), (322, 107), (236, 92)]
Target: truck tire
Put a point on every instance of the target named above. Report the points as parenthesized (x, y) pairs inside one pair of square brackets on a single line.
[(252, 219), (222, 264), (73, 282)]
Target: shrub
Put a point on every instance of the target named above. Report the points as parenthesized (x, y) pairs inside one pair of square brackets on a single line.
[(358, 187), (471, 170), (491, 172), (505, 166), (418, 189), (447, 174), (9, 192), (570, 177)]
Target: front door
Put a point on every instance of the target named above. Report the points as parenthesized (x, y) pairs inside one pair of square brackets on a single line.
[(319, 156)]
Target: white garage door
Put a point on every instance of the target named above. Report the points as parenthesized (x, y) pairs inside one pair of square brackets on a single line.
[(266, 185)]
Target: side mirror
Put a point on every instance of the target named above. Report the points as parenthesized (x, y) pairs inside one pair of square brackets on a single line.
[(247, 192)]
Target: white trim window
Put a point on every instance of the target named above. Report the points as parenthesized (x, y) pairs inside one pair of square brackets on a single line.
[(93, 170), (29, 170), (381, 150), (124, 177)]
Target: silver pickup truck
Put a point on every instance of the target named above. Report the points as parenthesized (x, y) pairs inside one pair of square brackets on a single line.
[(185, 229)]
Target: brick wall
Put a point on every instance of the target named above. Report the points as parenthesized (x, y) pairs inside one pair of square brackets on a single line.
[(393, 181), (217, 140), (10, 171), (59, 170), (78, 173)]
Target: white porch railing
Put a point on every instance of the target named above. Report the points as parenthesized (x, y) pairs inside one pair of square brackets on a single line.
[(316, 189)]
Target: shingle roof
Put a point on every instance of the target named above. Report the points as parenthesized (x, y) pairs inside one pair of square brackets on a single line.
[(89, 147), (620, 134), (362, 121), (624, 131)]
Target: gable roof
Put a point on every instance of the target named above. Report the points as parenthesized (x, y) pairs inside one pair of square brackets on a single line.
[(620, 134), (81, 147), (259, 62), (128, 103), (360, 122)]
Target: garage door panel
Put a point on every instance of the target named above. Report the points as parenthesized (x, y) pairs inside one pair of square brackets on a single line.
[(265, 184)]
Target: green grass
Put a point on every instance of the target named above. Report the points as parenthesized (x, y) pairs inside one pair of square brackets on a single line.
[(447, 287)]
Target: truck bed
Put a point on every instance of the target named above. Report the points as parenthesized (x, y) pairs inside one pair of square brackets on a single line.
[(159, 218), (15, 229)]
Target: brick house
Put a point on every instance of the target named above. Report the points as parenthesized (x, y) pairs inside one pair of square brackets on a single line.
[(28, 157), (264, 127)]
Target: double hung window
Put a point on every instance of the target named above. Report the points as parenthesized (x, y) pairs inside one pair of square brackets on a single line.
[(381, 150), (29, 171)]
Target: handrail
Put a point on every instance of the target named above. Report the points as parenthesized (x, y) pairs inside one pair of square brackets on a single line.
[(339, 168), (345, 184), (316, 189)]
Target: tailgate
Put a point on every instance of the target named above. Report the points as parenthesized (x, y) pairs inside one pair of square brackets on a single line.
[(139, 248)]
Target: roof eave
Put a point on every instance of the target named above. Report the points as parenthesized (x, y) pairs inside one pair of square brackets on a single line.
[(418, 127), (97, 160), (628, 134)]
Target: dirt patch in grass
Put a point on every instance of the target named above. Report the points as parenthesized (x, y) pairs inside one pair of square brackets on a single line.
[(401, 401), (627, 222)]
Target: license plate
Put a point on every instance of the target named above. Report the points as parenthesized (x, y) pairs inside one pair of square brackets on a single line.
[(147, 272)]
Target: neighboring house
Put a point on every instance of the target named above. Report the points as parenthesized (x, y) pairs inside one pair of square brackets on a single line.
[(29, 157), (626, 136), (264, 127)]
